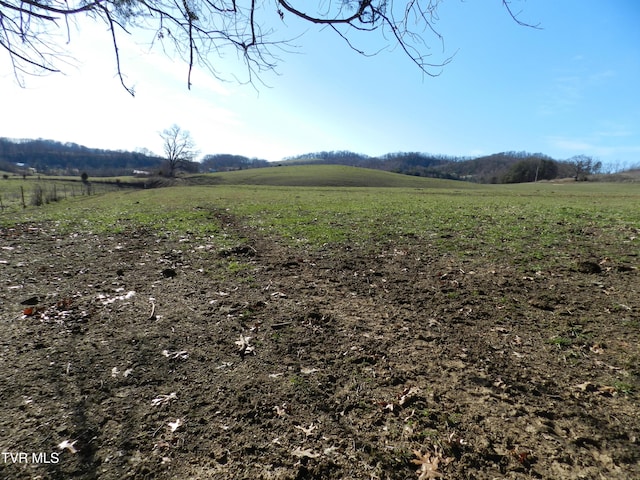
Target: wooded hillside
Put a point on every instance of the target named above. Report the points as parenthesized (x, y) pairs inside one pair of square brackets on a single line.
[(51, 157)]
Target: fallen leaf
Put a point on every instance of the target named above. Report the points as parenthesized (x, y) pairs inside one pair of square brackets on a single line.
[(180, 355), (307, 431), (407, 394), (281, 411), (162, 399), (607, 390), (298, 452), (587, 387), (429, 464), (330, 450), (243, 345), (67, 445), (174, 425)]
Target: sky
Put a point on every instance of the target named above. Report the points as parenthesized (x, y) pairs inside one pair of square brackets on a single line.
[(568, 88)]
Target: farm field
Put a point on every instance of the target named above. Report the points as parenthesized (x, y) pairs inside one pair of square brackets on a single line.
[(16, 192), (422, 330)]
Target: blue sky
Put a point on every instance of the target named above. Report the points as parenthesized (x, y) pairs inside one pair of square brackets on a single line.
[(570, 88)]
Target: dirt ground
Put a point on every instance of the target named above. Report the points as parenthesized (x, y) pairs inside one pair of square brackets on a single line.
[(146, 355)]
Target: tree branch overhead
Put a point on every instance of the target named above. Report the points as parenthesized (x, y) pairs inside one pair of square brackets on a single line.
[(201, 31)]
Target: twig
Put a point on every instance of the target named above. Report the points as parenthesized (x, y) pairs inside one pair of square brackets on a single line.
[(277, 326), (152, 315)]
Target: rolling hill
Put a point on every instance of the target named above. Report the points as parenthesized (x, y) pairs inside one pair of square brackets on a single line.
[(323, 176)]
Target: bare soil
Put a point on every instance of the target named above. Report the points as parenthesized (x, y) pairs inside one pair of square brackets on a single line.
[(146, 355)]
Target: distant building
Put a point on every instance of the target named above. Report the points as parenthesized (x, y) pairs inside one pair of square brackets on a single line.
[(26, 169)]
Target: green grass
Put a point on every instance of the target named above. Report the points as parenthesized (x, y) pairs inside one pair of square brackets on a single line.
[(323, 176), (16, 192), (534, 226), (531, 228), (165, 210)]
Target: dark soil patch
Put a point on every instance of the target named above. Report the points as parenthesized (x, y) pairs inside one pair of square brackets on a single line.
[(162, 357)]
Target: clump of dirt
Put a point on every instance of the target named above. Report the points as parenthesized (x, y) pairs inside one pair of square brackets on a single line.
[(146, 355)]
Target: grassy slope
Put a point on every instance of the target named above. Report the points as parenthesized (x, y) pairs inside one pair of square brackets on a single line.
[(323, 176), (533, 224), (522, 221)]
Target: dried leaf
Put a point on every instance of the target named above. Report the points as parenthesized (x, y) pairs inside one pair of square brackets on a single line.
[(243, 345), (298, 452), (330, 450), (180, 355), (174, 425), (67, 445), (607, 390), (308, 371), (407, 394), (307, 431), (586, 387), (127, 296), (162, 399), (429, 464), (521, 456)]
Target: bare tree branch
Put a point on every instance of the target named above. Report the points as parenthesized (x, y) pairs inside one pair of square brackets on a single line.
[(201, 30), (116, 50), (514, 16)]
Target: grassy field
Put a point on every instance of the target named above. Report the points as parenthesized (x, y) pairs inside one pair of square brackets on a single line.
[(533, 225), (309, 328), (324, 176), (17, 192)]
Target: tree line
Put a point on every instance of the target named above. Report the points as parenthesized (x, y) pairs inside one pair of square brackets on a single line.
[(51, 157), (504, 167)]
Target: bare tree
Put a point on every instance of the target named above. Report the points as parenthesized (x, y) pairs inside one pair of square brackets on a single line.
[(584, 165), (33, 32), (179, 148)]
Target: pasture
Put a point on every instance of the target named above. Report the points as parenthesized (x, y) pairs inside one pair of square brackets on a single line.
[(324, 323), (32, 191)]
